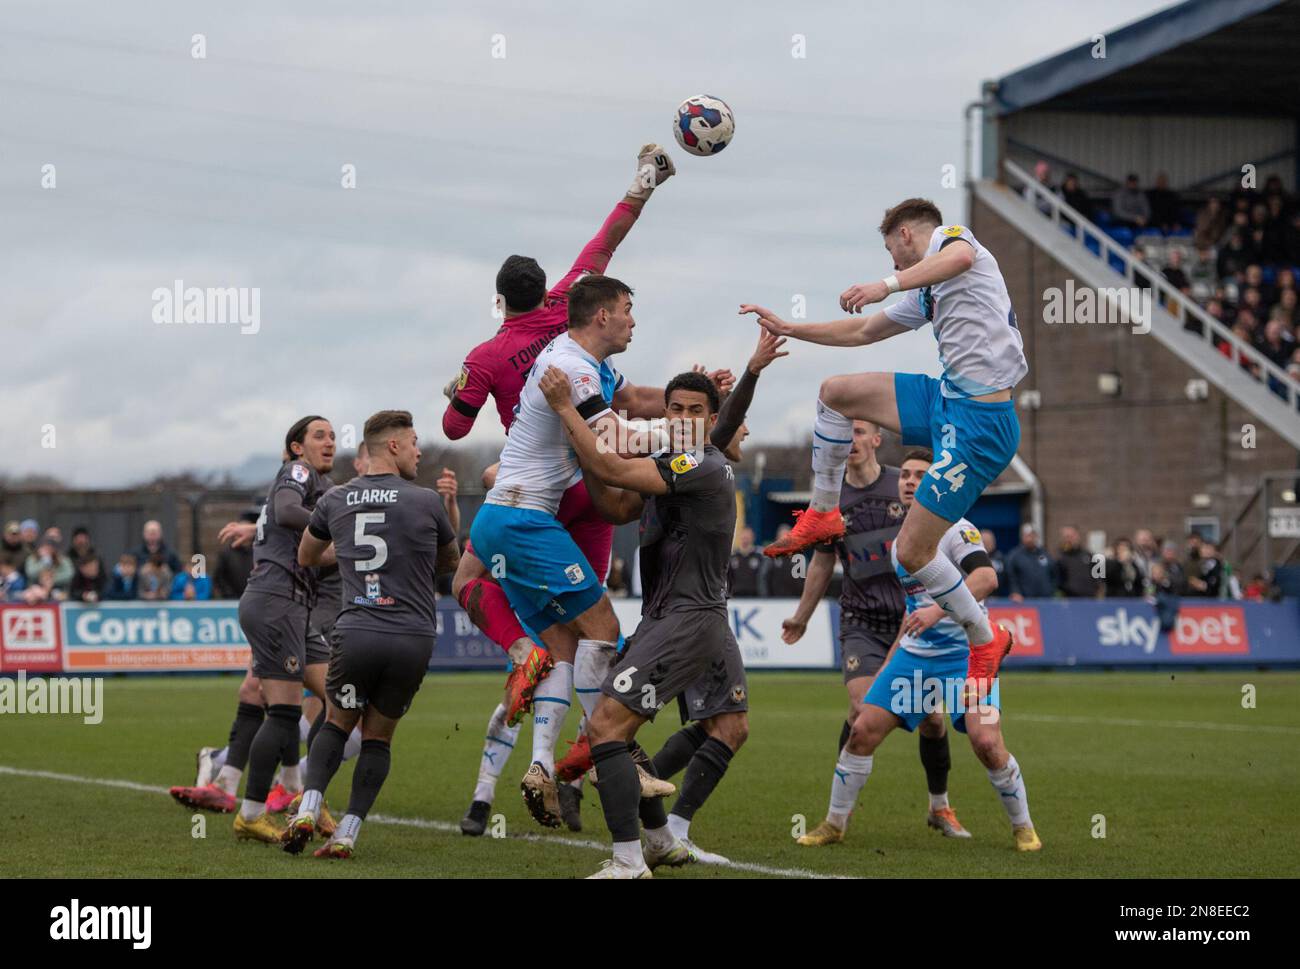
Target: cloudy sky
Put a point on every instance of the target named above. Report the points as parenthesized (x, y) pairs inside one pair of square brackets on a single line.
[(226, 171)]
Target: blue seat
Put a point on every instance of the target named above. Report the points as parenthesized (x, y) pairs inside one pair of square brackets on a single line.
[(1116, 263), (1092, 244), (1121, 234), (1101, 217)]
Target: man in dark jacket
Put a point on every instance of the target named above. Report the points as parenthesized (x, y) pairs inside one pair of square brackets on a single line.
[(1074, 572), (154, 545), (1030, 573)]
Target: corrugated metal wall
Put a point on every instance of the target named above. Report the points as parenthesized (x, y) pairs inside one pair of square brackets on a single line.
[(1188, 148)]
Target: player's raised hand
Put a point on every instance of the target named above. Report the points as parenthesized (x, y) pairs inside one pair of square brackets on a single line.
[(767, 319), (769, 349), (446, 485), (238, 534), (653, 168), (555, 387), (864, 294), (723, 379), (792, 631)]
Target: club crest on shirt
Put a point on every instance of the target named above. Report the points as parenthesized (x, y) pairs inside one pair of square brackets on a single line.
[(895, 509), (574, 573), (737, 694), (971, 535), (300, 473), (291, 665), (953, 231), (851, 663), (683, 463)]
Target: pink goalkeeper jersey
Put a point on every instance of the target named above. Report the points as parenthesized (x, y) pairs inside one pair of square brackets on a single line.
[(500, 365)]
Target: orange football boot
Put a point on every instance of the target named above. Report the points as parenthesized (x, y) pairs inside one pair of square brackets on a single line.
[(523, 681), (986, 659), (576, 762), (810, 528)]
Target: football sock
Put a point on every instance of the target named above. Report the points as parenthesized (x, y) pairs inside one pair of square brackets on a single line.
[(591, 665), (679, 826), (851, 773), (659, 839), (550, 707), (937, 761), (349, 827), (938, 801), (489, 609), (279, 728), (702, 775), (228, 779), (846, 728), (832, 441), (219, 760), (248, 718), (497, 745), (368, 776), (311, 803), (314, 729), (945, 585), (1010, 784), (620, 792), (327, 754), (353, 746), (678, 750), (291, 778)]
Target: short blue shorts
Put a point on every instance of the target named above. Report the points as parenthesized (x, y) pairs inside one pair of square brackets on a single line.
[(537, 563), (973, 442), (911, 686)]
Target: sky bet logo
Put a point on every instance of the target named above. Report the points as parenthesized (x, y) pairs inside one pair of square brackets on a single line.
[(73, 923), (1198, 630)]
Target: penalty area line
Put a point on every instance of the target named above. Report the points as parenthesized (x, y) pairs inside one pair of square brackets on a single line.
[(425, 823)]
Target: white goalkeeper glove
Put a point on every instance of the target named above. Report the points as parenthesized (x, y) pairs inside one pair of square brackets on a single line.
[(653, 168)]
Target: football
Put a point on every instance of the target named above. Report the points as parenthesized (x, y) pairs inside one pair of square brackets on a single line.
[(704, 125)]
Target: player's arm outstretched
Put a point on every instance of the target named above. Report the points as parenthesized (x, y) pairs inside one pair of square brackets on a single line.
[(596, 457), (815, 585), (736, 406), (618, 506), (937, 267), (849, 332)]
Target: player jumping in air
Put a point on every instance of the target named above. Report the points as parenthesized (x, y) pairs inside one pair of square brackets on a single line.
[(391, 539), (967, 416), (534, 316), (548, 580), (924, 675), (871, 600)]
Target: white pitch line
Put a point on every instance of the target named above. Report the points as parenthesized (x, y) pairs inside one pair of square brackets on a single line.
[(424, 823), (1013, 717)]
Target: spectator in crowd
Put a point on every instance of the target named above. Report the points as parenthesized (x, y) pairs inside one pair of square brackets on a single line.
[(190, 587), (89, 583), (1029, 569), (82, 548), (1206, 577), (152, 545), (1043, 175), (43, 589), (1074, 568), (1292, 239), (154, 580), (784, 577), (12, 549), (747, 570), (1257, 589), (234, 564), (1174, 275), (1234, 257), (1270, 220), (1163, 204), (990, 543), (1293, 368), (1174, 574), (123, 586), (1123, 577), (1130, 206), (1075, 197), (1146, 551), (12, 581), (1164, 595), (1276, 343), (1203, 269), (30, 532), (1211, 224), (47, 557)]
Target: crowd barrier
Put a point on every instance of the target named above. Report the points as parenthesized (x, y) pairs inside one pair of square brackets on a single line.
[(171, 637)]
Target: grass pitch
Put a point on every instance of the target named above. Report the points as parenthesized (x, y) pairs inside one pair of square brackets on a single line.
[(1188, 781)]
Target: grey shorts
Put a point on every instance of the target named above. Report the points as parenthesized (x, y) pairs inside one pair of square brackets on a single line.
[(320, 624), (370, 668), (862, 650), (277, 631), (722, 689), (664, 657)]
